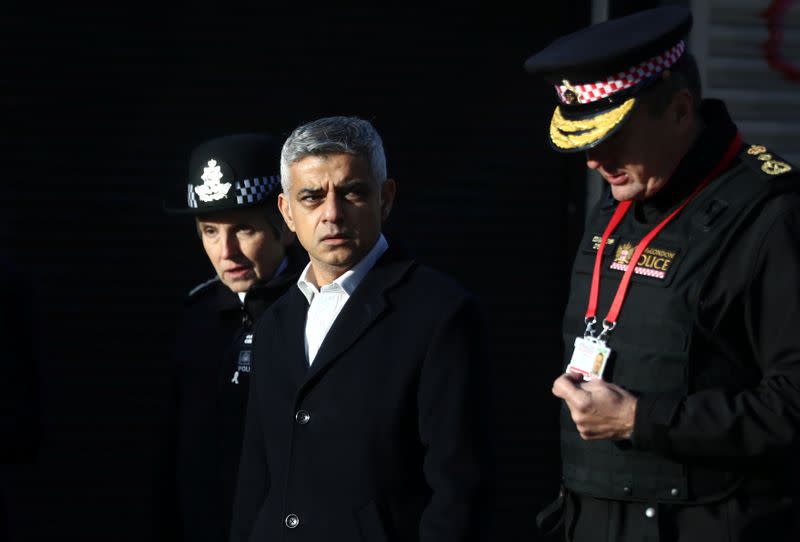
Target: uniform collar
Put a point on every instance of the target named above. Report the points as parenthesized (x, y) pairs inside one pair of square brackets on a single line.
[(262, 294), (703, 155), (281, 268)]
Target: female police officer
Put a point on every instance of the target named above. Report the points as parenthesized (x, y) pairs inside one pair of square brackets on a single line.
[(231, 192)]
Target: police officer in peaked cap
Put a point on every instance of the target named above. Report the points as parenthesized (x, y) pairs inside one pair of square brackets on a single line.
[(231, 194), (681, 373)]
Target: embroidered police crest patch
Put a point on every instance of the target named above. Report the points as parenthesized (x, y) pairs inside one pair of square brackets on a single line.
[(654, 262)]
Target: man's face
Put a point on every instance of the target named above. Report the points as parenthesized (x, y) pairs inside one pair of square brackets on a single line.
[(336, 209), (242, 246), (640, 158)]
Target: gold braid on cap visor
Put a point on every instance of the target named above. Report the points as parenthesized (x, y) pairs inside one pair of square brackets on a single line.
[(574, 134)]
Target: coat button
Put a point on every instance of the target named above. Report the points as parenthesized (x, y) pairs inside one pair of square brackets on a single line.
[(302, 417), (292, 521), (650, 512)]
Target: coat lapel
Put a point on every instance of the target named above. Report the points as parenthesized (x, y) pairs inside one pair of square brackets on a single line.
[(292, 322), (363, 308)]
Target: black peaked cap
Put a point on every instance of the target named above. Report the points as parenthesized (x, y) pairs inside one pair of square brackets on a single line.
[(606, 48)]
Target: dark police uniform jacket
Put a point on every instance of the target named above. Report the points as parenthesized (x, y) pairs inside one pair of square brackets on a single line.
[(212, 370), (384, 437), (706, 339)]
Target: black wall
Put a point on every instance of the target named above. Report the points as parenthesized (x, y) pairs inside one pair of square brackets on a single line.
[(99, 110)]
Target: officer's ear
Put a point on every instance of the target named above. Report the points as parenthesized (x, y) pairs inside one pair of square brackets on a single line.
[(683, 107), (286, 210)]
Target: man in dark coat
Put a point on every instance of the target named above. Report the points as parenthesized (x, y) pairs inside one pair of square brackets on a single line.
[(232, 188), (687, 285), (368, 414)]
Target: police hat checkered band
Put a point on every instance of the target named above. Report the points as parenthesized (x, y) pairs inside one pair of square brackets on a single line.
[(592, 92), (191, 197), (256, 189)]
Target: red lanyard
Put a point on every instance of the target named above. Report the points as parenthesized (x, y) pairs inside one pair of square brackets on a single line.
[(611, 318)]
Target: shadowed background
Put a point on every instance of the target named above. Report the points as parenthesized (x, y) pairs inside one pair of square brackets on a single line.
[(100, 110)]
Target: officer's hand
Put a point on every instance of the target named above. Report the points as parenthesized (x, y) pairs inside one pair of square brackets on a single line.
[(600, 410)]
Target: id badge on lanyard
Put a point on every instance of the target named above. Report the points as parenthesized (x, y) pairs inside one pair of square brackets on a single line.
[(589, 357)]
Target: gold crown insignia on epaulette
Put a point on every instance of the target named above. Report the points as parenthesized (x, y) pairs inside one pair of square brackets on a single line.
[(769, 166)]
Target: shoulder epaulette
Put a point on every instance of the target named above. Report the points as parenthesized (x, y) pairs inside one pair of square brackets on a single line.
[(767, 162), (202, 286)]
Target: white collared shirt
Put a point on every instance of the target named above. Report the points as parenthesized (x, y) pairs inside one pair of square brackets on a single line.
[(326, 303)]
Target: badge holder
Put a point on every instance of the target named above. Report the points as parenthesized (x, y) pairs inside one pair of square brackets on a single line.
[(590, 355)]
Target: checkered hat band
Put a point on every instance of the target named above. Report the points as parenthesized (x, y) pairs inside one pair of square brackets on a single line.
[(256, 189), (592, 92), (191, 197)]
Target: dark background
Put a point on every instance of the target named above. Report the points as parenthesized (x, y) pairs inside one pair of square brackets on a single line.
[(100, 107)]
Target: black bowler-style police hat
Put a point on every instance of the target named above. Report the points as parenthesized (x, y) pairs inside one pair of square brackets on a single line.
[(599, 71), (230, 172)]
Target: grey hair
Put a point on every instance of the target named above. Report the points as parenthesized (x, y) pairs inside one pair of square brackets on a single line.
[(334, 135)]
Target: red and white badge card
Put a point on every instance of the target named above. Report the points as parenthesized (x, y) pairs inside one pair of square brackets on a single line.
[(589, 358)]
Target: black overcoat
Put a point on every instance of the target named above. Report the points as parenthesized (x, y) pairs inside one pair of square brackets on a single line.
[(385, 437)]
